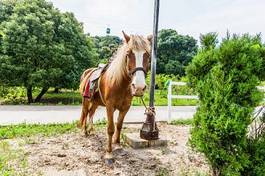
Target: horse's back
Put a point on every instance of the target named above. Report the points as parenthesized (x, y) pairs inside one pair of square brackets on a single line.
[(85, 73)]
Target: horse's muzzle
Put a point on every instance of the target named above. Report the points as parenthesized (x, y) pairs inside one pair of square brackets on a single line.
[(138, 91)]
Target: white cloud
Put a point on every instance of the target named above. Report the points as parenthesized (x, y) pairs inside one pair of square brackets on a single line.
[(188, 17)]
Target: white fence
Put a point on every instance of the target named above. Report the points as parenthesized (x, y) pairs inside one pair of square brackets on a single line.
[(170, 96)]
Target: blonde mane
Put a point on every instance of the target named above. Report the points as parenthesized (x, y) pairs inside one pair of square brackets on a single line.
[(118, 67)]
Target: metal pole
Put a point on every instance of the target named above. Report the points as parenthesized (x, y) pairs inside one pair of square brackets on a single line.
[(154, 53), (149, 129)]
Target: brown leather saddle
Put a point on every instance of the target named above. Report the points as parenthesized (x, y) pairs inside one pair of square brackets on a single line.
[(92, 82)]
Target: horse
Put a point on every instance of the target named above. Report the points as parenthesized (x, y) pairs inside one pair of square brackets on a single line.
[(123, 79)]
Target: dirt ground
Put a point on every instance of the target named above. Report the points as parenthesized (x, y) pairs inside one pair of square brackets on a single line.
[(75, 155)]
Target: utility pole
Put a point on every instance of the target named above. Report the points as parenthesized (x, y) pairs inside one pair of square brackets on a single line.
[(149, 130)]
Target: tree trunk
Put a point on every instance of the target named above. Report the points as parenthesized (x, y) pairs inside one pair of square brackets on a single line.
[(43, 91), (56, 90), (29, 94)]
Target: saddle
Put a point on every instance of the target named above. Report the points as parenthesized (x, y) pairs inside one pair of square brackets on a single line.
[(92, 84)]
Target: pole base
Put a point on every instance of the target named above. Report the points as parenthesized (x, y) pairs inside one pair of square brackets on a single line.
[(149, 135), (149, 129), (134, 140)]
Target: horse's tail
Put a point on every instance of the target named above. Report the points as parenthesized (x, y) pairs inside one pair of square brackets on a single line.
[(84, 78)]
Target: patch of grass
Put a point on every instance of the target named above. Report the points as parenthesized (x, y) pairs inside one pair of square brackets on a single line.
[(64, 97), (13, 161), (182, 122), (161, 100), (73, 97), (27, 130)]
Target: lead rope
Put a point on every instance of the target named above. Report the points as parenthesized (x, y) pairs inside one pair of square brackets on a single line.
[(144, 103), (149, 111)]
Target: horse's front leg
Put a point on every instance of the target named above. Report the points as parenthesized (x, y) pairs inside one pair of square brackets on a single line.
[(110, 130), (118, 127)]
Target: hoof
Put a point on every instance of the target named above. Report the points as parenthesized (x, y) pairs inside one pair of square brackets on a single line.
[(90, 130), (109, 160), (84, 133)]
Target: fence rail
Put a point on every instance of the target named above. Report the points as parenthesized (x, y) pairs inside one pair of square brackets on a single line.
[(170, 96)]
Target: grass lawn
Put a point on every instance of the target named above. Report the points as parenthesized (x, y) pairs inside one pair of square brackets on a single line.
[(182, 122), (74, 98), (17, 95), (27, 130)]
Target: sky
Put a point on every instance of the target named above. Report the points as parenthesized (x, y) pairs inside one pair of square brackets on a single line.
[(188, 17)]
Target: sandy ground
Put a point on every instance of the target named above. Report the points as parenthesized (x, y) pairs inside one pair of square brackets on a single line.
[(75, 155)]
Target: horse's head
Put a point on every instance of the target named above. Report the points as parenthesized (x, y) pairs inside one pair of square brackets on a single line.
[(137, 58)]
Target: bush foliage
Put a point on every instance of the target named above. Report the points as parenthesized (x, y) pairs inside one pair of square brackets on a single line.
[(225, 78)]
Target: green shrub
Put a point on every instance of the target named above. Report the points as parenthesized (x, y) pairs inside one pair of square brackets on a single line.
[(256, 146), (13, 95), (256, 149), (162, 80), (225, 78)]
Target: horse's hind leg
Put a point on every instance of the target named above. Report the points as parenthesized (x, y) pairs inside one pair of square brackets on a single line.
[(84, 113), (92, 111)]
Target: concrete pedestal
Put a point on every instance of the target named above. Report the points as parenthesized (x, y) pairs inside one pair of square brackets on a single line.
[(134, 140)]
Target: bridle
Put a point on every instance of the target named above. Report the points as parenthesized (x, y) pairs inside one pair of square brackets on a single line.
[(132, 72)]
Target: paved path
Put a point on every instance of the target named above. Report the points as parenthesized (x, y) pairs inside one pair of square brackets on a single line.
[(61, 114)]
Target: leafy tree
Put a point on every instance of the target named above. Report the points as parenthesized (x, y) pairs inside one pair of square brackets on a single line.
[(225, 78), (43, 48), (209, 40), (6, 9), (175, 51), (106, 46)]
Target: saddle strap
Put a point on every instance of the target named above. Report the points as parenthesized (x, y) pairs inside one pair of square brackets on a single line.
[(100, 94)]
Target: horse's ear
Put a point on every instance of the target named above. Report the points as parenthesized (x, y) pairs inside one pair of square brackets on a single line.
[(150, 38), (126, 37)]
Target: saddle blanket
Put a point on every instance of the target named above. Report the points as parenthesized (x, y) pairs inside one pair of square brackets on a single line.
[(91, 86)]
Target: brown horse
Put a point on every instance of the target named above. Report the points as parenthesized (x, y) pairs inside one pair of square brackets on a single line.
[(123, 79)]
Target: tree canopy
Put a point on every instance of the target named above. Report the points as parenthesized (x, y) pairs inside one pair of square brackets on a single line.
[(42, 47), (106, 46), (175, 51)]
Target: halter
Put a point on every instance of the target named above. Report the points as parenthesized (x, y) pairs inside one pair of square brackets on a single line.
[(131, 73)]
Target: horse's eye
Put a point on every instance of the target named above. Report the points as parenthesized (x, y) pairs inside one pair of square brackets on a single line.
[(129, 54)]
